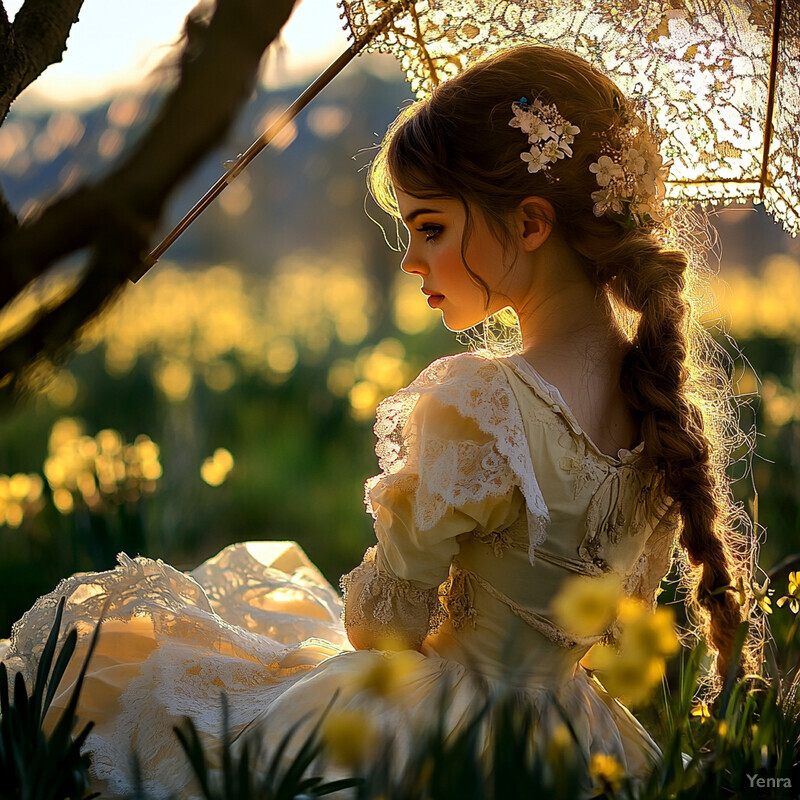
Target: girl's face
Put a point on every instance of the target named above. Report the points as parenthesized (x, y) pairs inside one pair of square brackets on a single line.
[(435, 229)]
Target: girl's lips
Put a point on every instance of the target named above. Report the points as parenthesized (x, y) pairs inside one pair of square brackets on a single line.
[(435, 300)]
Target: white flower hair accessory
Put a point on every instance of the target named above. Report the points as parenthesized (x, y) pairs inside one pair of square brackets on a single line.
[(549, 134), (630, 174)]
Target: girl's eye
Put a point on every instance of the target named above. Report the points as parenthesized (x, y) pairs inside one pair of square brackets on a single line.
[(431, 231)]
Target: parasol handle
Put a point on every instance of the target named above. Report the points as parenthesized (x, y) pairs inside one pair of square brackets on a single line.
[(233, 171)]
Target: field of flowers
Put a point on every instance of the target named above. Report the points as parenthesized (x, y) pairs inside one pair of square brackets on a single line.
[(212, 406)]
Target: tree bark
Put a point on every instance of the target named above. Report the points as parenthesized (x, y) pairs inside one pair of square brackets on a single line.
[(36, 39), (117, 216)]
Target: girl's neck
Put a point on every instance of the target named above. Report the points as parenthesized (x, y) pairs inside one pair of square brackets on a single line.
[(564, 318), (573, 328), (571, 337)]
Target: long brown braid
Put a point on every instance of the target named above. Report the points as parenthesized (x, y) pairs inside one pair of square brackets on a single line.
[(458, 144)]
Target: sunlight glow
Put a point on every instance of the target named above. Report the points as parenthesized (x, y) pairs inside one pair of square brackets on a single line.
[(115, 45)]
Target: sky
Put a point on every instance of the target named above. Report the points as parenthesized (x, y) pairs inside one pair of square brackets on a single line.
[(116, 42)]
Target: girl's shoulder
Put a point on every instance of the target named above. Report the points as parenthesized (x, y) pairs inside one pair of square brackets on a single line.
[(474, 385), (482, 376), (480, 384), (477, 386), (466, 386)]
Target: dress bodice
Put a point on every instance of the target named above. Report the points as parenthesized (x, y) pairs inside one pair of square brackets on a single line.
[(509, 552)]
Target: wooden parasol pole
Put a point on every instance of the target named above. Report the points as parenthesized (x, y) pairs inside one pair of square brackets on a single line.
[(233, 171)]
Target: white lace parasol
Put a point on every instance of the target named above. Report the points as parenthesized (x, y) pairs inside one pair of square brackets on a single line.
[(721, 77)]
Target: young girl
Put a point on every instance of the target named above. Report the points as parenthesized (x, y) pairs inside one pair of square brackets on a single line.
[(527, 182)]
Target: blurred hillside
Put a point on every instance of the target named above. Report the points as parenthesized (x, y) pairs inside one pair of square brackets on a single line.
[(306, 191)]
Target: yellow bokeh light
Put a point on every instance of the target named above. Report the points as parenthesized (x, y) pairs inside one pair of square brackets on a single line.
[(63, 390), (212, 473), (224, 321), (219, 376), (151, 470), (363, 399), (237, 197), (36, 487), (109, 441), (327, 121), (14, 138), (54, 471), (223, 458), (87, 446), (120, 357), (175, 380), (383, 364), (18, 486), (780, 410), (20, 497), (65, 128), (215, 469), (86, 484), (759, 305), (125, 111), (284, 137), (62, 499), (341, 377), (96, 470), (147, 449), (14, 515), (64, 430), (410, 312), (282, 355)]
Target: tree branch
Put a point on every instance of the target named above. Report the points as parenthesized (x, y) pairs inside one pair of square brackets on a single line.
[(215, 82), (37, 39), (116, 252), (8, 219)]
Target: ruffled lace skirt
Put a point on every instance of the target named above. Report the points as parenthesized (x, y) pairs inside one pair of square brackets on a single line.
[(260, 623)]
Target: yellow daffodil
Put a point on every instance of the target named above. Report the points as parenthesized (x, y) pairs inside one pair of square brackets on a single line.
[(740, 593), (347, 736), (631, 670), (587, 605), (793, 598), (766, 604), (560, 744), (701, 710), (651, 635), (794, 605), (607, 770), (633, 679), (389, 671), (762, 595)]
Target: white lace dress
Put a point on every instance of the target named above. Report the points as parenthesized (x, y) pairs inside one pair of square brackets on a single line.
[(490, 495)]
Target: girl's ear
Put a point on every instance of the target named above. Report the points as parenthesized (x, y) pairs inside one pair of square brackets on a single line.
[(536, 219)]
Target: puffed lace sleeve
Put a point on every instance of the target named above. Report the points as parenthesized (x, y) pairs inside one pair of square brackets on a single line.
[(656, 559), (452, 452)]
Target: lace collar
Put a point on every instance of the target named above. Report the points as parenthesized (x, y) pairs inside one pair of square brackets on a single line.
[(551, 395)]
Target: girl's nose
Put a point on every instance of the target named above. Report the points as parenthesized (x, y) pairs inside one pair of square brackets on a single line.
[(412, 264)]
